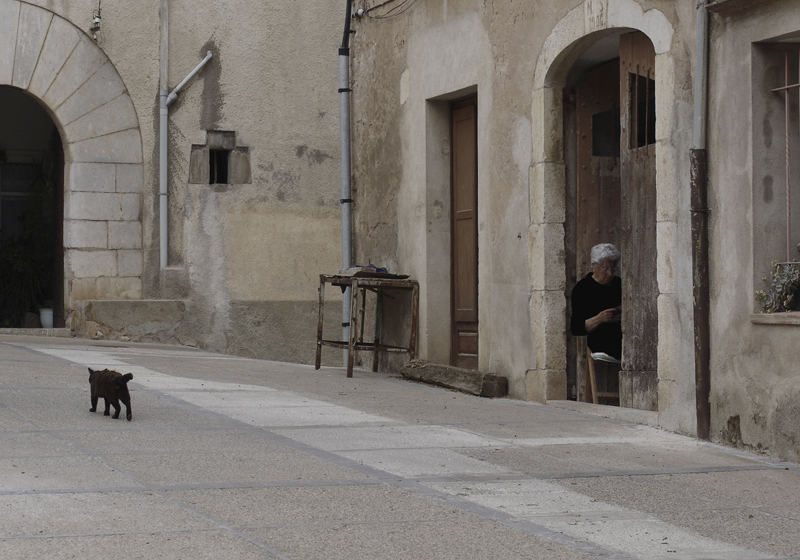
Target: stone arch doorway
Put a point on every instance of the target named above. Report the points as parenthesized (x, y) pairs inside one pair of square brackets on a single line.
[(49, 59), (609, 156), (31, 213), (590, 22)]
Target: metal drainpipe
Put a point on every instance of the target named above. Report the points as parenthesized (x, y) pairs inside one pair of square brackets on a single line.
[(346, 200), (163, 115), (699, 212), (165, 99)]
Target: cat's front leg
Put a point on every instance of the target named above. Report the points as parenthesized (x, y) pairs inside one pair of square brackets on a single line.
[(108, 408), (128, 414), (94, 404)]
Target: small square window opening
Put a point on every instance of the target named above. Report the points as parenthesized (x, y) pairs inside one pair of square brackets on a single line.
[(218, 166)]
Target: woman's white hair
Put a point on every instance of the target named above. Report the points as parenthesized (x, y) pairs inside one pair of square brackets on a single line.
[(604, 251)]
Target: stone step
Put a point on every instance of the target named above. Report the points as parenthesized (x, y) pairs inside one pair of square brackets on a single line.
[(465, 380), (61, 332)]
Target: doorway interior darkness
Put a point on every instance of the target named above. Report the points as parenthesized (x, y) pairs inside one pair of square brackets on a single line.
[(31, 212)]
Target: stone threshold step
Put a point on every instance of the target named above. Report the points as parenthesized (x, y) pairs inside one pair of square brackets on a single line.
[(61, 333), (465, 380)]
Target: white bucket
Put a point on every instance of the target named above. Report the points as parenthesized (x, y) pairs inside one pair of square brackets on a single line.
[(46, 317)]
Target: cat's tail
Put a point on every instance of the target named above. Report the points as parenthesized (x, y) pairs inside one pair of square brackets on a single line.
[(127, 377)]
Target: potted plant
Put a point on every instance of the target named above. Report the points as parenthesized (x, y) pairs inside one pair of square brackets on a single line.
[(782, 290)]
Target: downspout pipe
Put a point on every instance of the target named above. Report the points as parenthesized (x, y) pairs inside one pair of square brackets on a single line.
[(699, 214), (165, 99), (173, 95), (163, 115), (346, 202)]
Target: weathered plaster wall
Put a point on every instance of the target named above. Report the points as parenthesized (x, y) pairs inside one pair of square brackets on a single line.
[(244, 259), (408, 68), (755, 384), (443, 51), (252, 253)]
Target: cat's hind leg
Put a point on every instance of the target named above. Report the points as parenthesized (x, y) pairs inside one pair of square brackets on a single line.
[(125, 398), (117, 408)]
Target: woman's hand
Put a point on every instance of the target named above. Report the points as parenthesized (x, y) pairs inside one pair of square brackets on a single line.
[(605, 316)]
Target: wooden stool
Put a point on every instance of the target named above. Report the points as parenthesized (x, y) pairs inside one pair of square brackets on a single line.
[(591, 379)]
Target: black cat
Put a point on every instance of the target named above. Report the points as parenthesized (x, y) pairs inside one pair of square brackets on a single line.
[(113, 387)]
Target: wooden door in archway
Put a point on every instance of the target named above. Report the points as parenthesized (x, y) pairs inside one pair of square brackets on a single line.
[(638, 376)]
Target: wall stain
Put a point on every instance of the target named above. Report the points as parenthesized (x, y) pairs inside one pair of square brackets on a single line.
[(786, 419), (767, 131), (732, 433), (767, 193), (312, 156)]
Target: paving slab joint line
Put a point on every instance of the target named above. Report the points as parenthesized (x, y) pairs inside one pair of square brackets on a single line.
[(107, 534), (656, 472), (774, 463), (525, 526), (223, 526), (416, 487)]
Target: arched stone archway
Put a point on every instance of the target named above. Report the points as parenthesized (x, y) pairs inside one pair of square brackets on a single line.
[(581, 27), (51, 59)]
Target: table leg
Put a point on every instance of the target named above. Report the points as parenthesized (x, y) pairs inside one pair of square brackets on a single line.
[(363, 309), (319, 323), (351, 344), (378, 322), (412, 342)]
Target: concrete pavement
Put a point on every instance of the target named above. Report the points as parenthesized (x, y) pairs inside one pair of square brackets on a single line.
[(228, 457)]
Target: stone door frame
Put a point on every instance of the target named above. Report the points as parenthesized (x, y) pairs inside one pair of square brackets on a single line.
[(57, 63), (580, 28)]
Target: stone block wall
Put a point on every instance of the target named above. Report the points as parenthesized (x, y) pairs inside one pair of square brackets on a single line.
[(103, 230)]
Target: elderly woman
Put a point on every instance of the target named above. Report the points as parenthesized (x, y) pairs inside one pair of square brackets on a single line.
[(596, 302)]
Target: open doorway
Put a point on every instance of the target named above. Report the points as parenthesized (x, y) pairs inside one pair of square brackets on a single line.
[(609, 151), (31, 214)]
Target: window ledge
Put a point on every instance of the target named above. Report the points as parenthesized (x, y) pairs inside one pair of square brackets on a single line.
[(785, 318)]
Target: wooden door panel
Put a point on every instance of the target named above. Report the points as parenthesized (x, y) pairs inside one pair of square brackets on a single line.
[(464, 143), (464, 234), (466, 349), (464, 271), (638, 379)]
